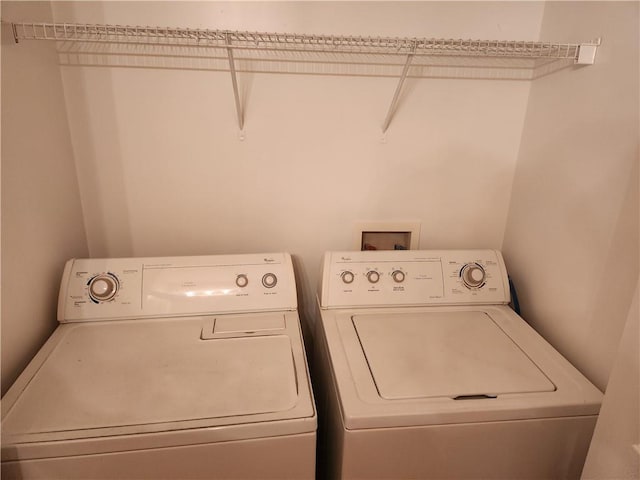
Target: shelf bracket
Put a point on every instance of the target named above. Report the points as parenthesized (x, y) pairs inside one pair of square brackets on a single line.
[(587, 52), (234, 81), (396, 95), (14, 29)]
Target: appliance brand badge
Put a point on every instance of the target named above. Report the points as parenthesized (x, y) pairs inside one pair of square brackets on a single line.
[(269, 260)]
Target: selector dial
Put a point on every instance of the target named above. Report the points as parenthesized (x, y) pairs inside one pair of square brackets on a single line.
[(473, 275), (269, 280), (103, 287), (373, 276), (347, 276), (242, 280), (398, 276)]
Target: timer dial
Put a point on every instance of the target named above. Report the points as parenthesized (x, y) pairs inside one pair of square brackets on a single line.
[(103, 287), (473, 275)]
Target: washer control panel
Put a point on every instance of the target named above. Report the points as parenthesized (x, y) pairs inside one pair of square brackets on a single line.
[(413, 277), (103, 289)]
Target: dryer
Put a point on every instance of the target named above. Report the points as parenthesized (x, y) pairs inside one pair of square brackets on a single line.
[(167, 367), (426, 372)]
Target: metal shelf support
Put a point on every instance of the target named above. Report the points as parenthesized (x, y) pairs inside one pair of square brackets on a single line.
[(234, 81), (396, 95)]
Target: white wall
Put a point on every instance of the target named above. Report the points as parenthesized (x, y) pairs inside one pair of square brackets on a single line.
[(571, 240), (162, 170), (615, 450), (42, 223)]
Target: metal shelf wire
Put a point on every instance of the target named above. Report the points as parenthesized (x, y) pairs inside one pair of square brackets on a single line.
[(292, 42), (205, 49)]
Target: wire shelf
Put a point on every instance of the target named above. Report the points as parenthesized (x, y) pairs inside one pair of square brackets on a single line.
[(292, 42), (237, 51)]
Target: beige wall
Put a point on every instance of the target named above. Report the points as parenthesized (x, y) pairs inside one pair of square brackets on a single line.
[(571, 239), (615, 449), (42, 224), (162, 170)]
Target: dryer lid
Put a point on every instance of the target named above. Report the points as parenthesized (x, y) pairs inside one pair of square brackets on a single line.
[(445, 354)]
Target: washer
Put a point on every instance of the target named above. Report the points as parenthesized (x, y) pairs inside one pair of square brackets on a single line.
[(426, 372), (181, 367)]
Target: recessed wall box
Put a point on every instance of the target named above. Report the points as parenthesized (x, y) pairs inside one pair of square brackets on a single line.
[(386, 236)]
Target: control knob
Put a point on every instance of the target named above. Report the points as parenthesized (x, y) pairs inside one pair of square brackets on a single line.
[(347, 277), (473, 275), (373, 276), (242, 280), (398, 276), (269, 280), (103, 287)]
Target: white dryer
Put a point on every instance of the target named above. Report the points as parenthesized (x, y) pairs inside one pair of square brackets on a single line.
[(181, 367), (426, 372)]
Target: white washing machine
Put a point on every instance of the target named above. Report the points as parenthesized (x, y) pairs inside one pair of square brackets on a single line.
[(426, 372), (182, 367)]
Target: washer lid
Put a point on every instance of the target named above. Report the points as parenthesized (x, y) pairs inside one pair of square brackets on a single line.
[(136, 374), (445, 354)]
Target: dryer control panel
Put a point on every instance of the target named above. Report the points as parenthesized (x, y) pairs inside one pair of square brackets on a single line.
[(119, 288), (413, 277)]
